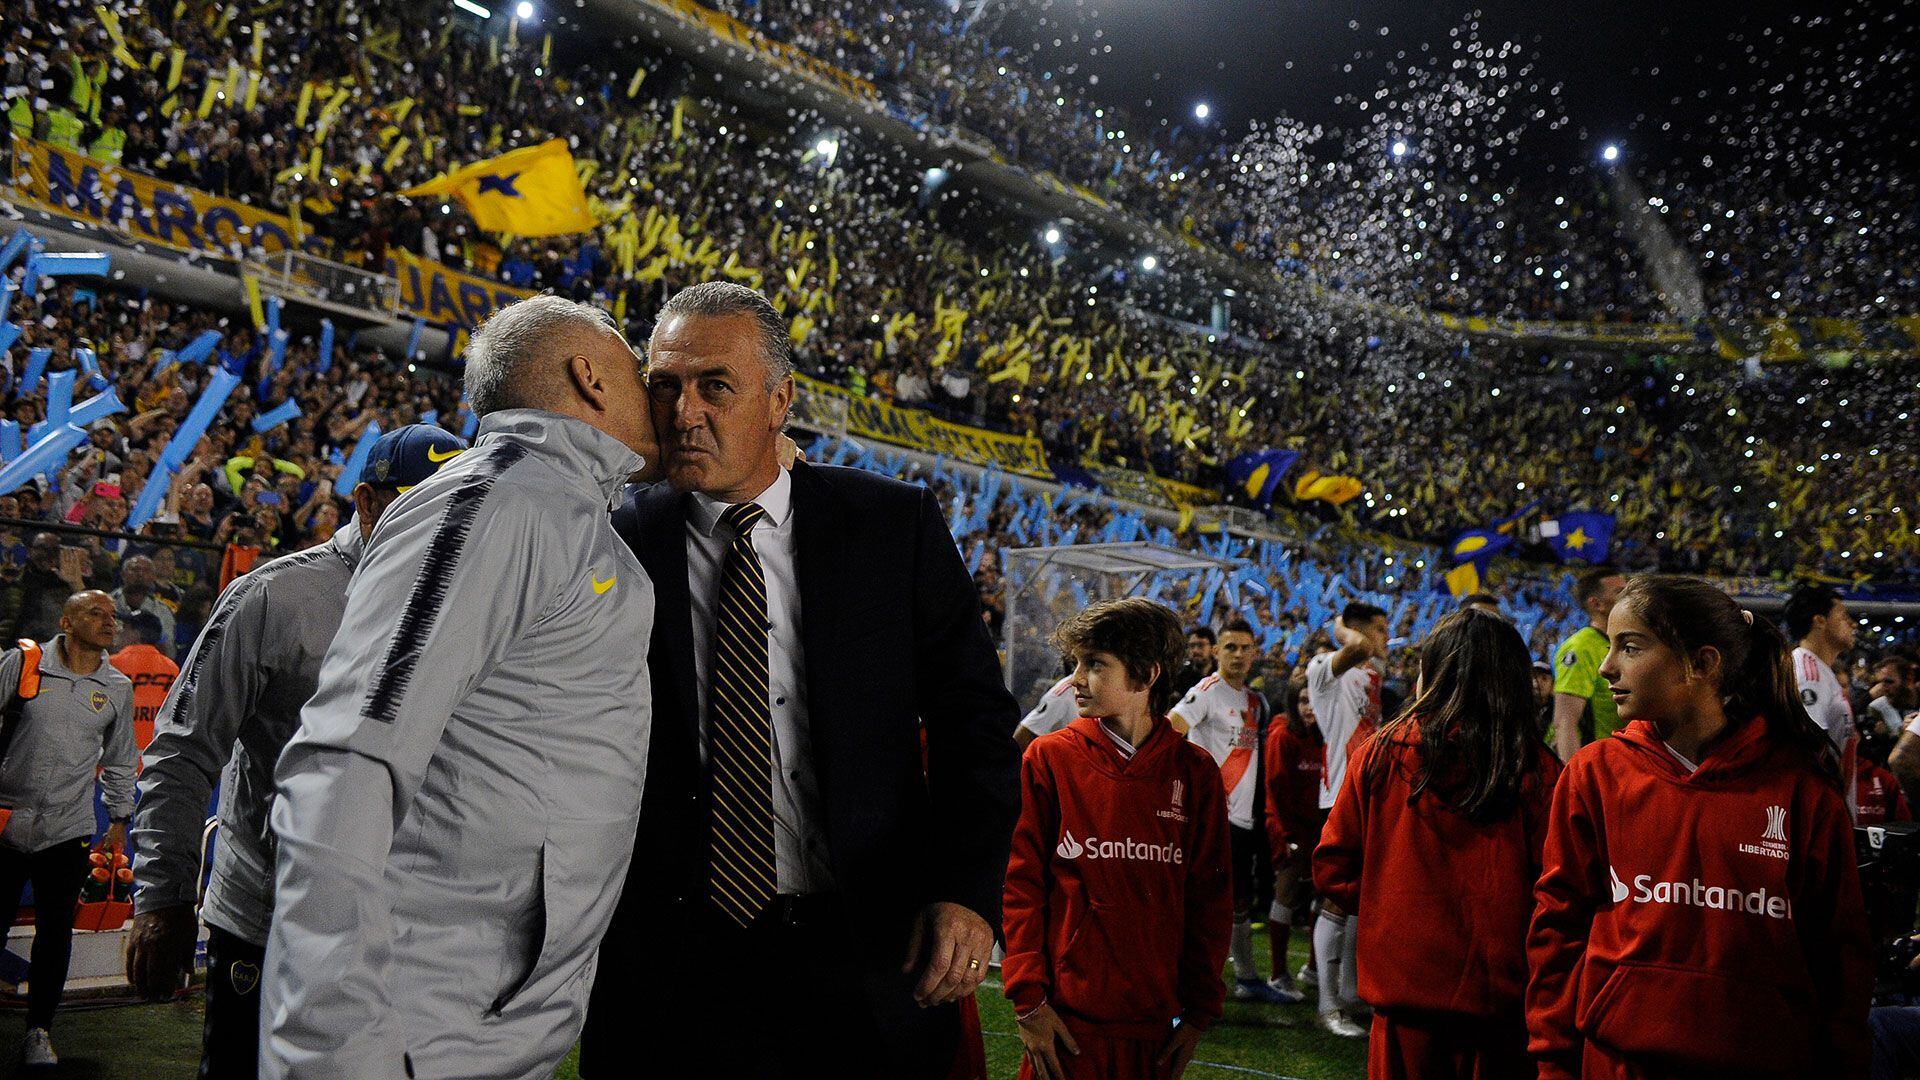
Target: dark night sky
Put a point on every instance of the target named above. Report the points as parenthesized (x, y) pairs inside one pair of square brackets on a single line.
[(1619, 59)]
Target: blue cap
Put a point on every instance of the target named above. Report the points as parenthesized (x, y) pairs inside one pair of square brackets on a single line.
[(407, 455)]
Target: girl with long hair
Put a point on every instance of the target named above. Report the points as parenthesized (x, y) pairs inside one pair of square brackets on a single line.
[(1434, 840), (1699, 911)]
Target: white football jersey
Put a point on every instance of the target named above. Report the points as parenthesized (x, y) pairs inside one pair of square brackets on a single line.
[(1825, 697), (1056, 710), (1341, 706), (1226, 724)]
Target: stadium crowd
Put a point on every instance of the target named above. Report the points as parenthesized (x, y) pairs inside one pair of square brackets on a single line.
[(1292, 658), (993, 331), (1348, 206)]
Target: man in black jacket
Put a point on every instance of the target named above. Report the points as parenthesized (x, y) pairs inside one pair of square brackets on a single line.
[(797, 833)]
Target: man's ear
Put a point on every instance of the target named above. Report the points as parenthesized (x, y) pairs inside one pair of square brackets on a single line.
[(782, 401), (587, 381)]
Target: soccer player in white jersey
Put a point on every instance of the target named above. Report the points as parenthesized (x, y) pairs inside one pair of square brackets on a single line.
[(1344, 688), (1818, 620), (1055, 711), (1222, 715)]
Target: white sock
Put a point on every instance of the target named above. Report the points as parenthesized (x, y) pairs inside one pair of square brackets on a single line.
[(1328, 930), (1350, 964), (1244, 967)]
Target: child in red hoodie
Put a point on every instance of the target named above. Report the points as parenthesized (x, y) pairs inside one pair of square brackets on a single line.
[(1119, 897), (1434, 839), (1699, 911), (1295, 758)]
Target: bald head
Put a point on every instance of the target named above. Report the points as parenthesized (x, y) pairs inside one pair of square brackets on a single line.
[(518, 359), (560, 357), (88, 619)]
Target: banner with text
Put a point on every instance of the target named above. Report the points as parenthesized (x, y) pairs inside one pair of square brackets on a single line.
[(446, 296), (187, 219), (166, 213), (825, 405)]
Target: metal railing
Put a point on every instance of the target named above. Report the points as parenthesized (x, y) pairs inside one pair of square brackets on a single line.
[(315, 278)]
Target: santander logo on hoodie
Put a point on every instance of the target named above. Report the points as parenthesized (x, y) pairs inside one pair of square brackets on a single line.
[(1128, 848), (1696, 893)]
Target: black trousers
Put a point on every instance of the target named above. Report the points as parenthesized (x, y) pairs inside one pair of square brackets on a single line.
[(57, 874), (1252, 869), (230, 1042), (830, 1003)]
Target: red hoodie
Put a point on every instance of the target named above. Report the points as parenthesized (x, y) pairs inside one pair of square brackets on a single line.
[(1443, 901), (1698, 922), (1877, 794), (1119, 900), (1294, 764)]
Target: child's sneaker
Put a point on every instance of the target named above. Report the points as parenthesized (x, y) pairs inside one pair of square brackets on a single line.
[(1282, 984), (1257, 990), (1331, 1022), (38, 1049)]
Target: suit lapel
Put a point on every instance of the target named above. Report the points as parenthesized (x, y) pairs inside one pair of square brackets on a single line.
[(662, 548), (817, 565)]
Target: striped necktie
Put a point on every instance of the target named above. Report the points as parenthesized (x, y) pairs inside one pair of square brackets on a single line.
[(741, 878)]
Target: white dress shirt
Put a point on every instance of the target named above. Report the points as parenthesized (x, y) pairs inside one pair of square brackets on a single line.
[(800, 852)]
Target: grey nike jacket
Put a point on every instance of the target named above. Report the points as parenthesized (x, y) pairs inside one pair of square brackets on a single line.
[(229, 714), (455, 815)]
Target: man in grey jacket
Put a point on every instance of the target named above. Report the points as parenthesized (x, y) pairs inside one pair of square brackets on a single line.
[(77, 715), (455, 814), (227, 717)]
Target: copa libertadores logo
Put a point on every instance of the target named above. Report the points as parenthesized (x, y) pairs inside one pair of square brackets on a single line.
[(1776, 824)]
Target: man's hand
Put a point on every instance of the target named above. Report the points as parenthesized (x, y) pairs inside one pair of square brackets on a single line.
[(160, 951), (1344, 635), (1172, 1062), (73, 567), (114, 839), (954, 944), (1040, 1032)]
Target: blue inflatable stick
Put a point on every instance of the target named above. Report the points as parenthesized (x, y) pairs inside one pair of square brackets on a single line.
[(36, 366), (45, 455), (326, 346), (64, 264), (357, 461), (276, 416), (101, 405)]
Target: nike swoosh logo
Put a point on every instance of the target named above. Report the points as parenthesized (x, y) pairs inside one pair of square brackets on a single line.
[(437, 457), (600, 587)]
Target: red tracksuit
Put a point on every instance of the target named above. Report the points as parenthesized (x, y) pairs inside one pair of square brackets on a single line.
[(1119, 898), (1294, 764), (1699, 923), (1443, 904), (1878, 796)]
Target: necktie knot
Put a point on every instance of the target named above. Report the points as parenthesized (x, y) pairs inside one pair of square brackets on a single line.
[(741, 517)]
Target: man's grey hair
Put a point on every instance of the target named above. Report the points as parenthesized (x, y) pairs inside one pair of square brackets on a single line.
[(513, 359), (720, 299)]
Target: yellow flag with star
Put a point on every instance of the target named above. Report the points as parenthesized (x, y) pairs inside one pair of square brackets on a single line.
[(532, 191)]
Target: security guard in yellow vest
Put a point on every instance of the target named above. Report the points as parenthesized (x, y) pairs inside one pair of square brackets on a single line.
[(20, 115), (111, 142), (64, 128)]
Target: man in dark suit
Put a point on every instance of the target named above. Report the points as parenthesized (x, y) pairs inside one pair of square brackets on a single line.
[(812, 890)]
